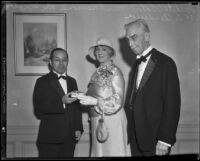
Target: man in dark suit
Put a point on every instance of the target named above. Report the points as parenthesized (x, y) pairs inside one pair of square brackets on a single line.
[(154, 99), (61, 119)]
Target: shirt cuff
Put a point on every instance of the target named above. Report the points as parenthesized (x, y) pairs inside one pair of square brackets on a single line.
[(164, 143)]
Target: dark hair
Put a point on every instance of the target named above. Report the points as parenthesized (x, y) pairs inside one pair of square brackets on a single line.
[(58, 49)]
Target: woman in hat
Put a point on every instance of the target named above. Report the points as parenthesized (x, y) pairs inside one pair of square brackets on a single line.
[(105, 97)]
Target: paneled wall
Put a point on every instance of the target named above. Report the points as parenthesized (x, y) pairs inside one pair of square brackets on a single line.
[(174, 31), (21, 141)]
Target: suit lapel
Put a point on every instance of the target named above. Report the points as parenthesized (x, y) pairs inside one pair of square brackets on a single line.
[(69, 84), (149, 69), (56, 85), (133, 85)]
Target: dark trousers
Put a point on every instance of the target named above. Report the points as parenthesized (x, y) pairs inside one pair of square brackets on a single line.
[(59, 150), (135, 148), (137, 152)]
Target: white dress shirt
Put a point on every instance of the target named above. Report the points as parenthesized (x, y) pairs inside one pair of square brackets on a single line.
[(141, 69), (142, 65), (62, 83)]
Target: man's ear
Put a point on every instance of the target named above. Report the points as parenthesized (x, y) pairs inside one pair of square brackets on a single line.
[(147, 36), (50, 62)]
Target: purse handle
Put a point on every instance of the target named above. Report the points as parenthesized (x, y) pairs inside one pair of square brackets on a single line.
[(102, 116)]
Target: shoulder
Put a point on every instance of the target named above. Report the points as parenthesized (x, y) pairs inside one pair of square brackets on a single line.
[(117, 71), (71, 78), (163, 58), (44, 77), (43, 81)]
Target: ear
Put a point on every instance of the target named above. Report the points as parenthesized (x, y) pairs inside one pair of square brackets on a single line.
[(50, 62), (147, 36)]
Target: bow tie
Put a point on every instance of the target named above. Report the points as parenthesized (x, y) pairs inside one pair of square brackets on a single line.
[(143, 58), (63, 77)]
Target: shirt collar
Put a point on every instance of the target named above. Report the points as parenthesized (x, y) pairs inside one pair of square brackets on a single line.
[(145, 52), (58, 74)]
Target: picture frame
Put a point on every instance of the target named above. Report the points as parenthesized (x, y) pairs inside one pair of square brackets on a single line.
[(35, 35)]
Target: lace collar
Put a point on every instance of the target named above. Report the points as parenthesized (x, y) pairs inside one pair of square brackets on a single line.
[(104, 74), (108, 66)]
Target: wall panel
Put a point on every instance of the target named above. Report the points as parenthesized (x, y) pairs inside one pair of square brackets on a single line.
[(21, 141)]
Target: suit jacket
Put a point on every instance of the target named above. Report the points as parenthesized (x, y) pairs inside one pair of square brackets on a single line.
[(155, 110), (57, 124)]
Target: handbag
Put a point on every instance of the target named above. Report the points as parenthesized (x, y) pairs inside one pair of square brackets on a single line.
[(102, 132)]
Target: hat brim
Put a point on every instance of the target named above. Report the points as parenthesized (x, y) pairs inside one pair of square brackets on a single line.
[(91, 51)]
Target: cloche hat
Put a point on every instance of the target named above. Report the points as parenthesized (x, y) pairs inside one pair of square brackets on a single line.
[(101, 41)]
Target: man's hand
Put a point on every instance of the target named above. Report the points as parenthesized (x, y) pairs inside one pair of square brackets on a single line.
[(67, 100), (77, 135), (161, 149)]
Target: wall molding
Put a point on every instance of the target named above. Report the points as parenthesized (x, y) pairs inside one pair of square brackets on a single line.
[(186, 127), (28, 129), (12, 147), (174, 8), (21, 140), (162, 12)]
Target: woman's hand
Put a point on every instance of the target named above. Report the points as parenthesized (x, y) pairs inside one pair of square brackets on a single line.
[(87, 100)]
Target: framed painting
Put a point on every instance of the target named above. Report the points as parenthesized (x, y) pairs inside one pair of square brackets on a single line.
[(35, 35)]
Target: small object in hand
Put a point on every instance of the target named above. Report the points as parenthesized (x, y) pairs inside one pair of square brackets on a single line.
[(76, 94)]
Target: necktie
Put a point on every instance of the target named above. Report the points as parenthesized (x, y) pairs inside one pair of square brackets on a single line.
[(134, 89), (63, 77)]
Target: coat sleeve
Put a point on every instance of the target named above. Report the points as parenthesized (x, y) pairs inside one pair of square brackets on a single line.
[(171, 104), (45, 100)]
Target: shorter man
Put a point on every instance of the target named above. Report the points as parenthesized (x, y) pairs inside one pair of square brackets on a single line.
[(61, 119)]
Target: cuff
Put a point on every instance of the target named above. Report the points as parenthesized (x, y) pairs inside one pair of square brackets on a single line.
[(164, 143)]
